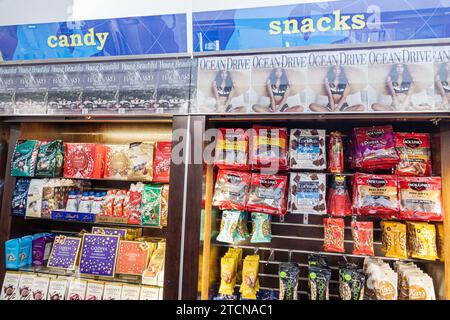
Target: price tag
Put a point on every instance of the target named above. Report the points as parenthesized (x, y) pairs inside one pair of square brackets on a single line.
[(159, 110)]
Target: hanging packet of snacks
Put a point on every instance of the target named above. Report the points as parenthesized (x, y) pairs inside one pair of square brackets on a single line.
[(50, 159), (288, 274), (231, 190), (420, 198), (375, 195), (307, 149), (261, 230), (319, 282), (161, 165), (231, 149), (338, 198), (419, 286), (241, 232), (307, 193), (267, 194), (334, 235), (394, 239), (385, 283), (415, 154), (229, 265), (318, 260), (362, 233), (422, 240), (375, 148), (151, 205), (336, 153), (250, 282), (269, 148), (228, 226), (351, 282), (440, 241), (23, 162)]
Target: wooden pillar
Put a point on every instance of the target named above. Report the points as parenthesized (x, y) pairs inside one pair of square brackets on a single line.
[(207, 232), (445, 166)]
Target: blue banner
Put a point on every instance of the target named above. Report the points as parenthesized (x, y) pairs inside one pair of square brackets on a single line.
[(107, 37), (346, 21)]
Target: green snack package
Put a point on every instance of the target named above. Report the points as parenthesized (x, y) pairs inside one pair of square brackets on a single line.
[(228, 226), (261, 231), (351, 282), (23, 163), (288, 277), (241, 232), (49, 159), (151, 205), (319, 281)]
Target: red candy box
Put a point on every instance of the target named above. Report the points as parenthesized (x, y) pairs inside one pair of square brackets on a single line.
[(161, 163), (84, 160)]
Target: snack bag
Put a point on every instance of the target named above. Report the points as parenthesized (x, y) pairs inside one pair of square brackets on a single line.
[(362, 233), (288, 275), (228, 273), (164, 205), (140, 156), (334, 235), (338, 198), (108, 203), (228, 226), (151, 205), (261, 230), (351, 282), (375, 195), (23, 162), (420, 286), (161, 164), (116, 162), (422, 240), (415, 154), (84, 160), (50, 159), (119, 200), (336, 153), (268, 148), (318, 283), (19, 197), (307, 149), (231, 149), (132, 209), (267, 194), (420, 198), (394, 239), (307, 193), (250, 283), (231, 190), (440, 241)]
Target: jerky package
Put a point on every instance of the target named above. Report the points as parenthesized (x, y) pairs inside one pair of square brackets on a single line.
[(268, 148), (338, 198), (415, 154), (362, 233), (334, 235), (50, 159), (351, 282), (307, 149), (267, 194), (420, 198), (23, 163), (19, 197), (231, 190), (288, 275), (307, 193), (319, 282), (231, 149), (375, 195), (336, 153)]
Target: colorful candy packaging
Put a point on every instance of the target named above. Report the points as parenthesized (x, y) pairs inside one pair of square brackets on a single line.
[(334, 235), (440, 241), (267, 194), (108, 203), (269, 148), (151, 205), (375, 148), (228, 271), (231, 149), (288, 274), (12, 251), (50, 159), (362, 233), (41, 248), (414, 150), (19, 197), (420, 198), (422, 240), (261, 229), (34, 198), (132, 209), (394, 239), (351, 282), (375, 195), (307, 149), (307, 193), (164, 205), (228, 226), (116, 162), (23, 162), (231, 190), (140, 156), (119, 201), (25, 251), (84, 160), (319, 282), (338, 198), (250, 282), (336, 153), (161, 165)]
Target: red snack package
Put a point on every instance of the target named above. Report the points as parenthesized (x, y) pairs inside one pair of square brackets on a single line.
[(232, 149), (231, 190), (161, 163), (362, 233), (420, 198), (118, 202), (132, 209), (269, 147), (336, 153), (415, 154), (84, 160), (108, 203), (267, 194), (375, 148), (334, 235), (338, 198), (375, 195)]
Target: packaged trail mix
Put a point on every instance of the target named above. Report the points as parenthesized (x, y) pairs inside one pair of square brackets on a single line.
[(420, 198), (261, 230), (394, 239), (250, 282), (414, 150), (161, 165), (228, 226), (268, 148), (23, 162), (351, 282), (267, 194), (375, 195), (422, 240), (151, 205), (116, 162), (307, 193), (140, 157), (307, 149), (228, 271), (319, 282), (50, 159), (334, 235), (231, 190), (338, 198), (362, 234), (288, 274), (382, 281), (231, 149), (336, 153)]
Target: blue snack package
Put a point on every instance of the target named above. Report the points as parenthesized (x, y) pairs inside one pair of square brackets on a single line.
[(12, 253), (25, 251), (19, 197)]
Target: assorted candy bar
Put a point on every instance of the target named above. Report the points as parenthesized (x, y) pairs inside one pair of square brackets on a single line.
[(307, 149), (267, 194), (307, 193), (415, 154), (268, 148), (231, 149), (231, 190)]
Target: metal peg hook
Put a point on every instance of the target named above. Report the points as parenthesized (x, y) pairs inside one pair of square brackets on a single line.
[(270, 258), (290, 256), (256, 251)]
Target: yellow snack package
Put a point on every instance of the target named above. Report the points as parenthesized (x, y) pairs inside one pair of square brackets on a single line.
[(440, 241), (422, 240), (227, 275), (250, 282), (394, 239)]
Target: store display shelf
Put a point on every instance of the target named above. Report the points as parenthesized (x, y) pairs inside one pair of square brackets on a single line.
[(90, 117), (99, 180)]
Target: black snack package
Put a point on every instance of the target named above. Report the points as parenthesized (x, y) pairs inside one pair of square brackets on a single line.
[(19, 197), (288, 274), (318, 283), (351, 282)]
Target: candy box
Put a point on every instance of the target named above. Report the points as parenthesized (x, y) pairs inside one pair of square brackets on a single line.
[(414, 150), (149, 293), (77, 289), (116, 162), (94, 290), (50, 159), (231, 190), (132, 208), (34, 198), (42, 247), (161, 164), (19, 197), (164, 205), (132, 257), (113, 291), (57, 289), (268, 148), (130, 292), (84, 160), (307, 149), (23, 162), (151, 205), (10, 286), (40, 288), (12, 253), (98, 254), (141, 161), (64, 254), (25, 286), (307, 193), (267, 194), (231, 149)]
